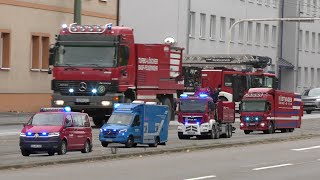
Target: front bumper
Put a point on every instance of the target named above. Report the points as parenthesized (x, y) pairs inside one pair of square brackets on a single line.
[(256, 126), (194, 129), (113, 139), (86, 102), (40, 144)]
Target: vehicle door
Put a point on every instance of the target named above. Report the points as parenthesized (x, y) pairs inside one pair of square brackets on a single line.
[(124, 69), (69, 132), (88, 129), (136, 129), (79, 130)]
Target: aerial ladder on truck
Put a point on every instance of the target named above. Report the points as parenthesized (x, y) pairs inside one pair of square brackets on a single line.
[(233, 73)]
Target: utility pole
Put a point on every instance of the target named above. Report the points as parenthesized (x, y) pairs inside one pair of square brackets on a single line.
[(77, 12), (280, 43)]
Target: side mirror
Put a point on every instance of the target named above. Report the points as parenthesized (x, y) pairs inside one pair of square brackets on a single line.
[(276, 83), (52, 51), (49, 71), (24, 124), (126, 52), (240, 107)]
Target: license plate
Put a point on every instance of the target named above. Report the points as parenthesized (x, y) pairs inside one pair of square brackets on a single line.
[(252, 124), (82, 100), (108, 140), (190, 132), (36, 146), (307, 103)]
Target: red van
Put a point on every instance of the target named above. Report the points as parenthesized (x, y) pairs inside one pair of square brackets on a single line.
[(56, 130)]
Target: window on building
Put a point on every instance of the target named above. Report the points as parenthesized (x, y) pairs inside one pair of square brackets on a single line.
[(232, 21), (40, 52), (312, 77), (308, 6), (300, 39), (222, 28), (319, 43), (299, 76), (306, 77), (258, 34), (315, 8), (307, 41), (267, 2), (5, 49), (266, 35), (249, 33), (202, 25), (192, 24), (259, 2), (313, 40), (241, 32), (213, 26), (274, 36), (318, 77)]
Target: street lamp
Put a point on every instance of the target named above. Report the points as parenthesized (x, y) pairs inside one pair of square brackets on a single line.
[(306, 19)]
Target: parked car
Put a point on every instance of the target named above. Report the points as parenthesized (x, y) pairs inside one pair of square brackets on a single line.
[(311, 100)]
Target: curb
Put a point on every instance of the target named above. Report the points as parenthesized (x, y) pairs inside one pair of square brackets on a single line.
[(157, 152)]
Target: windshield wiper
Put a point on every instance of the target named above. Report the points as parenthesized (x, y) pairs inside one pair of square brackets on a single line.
[(93, 64)]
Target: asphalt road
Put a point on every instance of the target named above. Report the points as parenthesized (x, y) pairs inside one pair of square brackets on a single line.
[(10, 152), (294, 160)]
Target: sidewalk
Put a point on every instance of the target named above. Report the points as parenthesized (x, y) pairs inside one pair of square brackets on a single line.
[(14, 118)]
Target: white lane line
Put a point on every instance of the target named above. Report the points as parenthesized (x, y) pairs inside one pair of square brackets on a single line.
[(308, 148), (270, 167), (203, 177)]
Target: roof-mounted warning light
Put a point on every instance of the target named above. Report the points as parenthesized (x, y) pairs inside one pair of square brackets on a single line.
[(75, 28), (65, 109)]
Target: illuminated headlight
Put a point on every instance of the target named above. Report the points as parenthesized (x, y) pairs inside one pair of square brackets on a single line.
[(59, 102), (54, 134), (105, 103), (123, 131), (241, 124), (82, 29), (247, 118), (64, 26), (179, 127), (23, 134), (318, 100), (74, 29), (71, 90), (94, 90), (262, 124), (256, 118)]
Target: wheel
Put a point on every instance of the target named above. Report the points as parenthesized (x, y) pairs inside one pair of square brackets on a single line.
[(270, 129), (25, 153), (134, 144), (104, 144), (291, 129), (229, 131), (129, 142), (308, 111), (247, 131), (156, 142), (284, 130), (212, 134), (216, 132), (181, 136), (231, 128), (166, 101), (51, 153), (63, 148), (86, 148)]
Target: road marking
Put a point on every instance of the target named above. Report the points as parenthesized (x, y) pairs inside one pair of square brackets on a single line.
[(308, 148), (203, 177), (270, 167)]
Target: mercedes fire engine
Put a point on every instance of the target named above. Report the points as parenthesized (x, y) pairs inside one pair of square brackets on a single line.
[(200, 116), (235, 74), (95, 67), (268, 110)]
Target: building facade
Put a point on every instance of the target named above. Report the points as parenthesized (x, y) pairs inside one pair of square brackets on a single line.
[(27, 29), (202, 26)]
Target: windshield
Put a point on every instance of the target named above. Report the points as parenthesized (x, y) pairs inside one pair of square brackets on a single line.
[(122, 119), (49, 119), (96, 56), (253, 106), (192, 105), (312, 92), (262, 81)]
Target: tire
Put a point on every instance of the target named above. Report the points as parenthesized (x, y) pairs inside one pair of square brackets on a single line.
[(25, 153), (270, 129), (284, 130), (51, 153), (181, 136), (216, 132), (308, 111), (86, 148), (156, 142), (104, 144), (231, 128), (63, 148), (212, 134), (229, 131), (291, 129), (166, 101), (134, 144), (247, 131), (129, 142)]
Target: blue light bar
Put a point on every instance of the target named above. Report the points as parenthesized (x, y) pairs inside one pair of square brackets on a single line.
[(67, 109), (247, 118), (44, 134), (183, 95), (94, 90), (29, 133), (71, 90), (203, 95)]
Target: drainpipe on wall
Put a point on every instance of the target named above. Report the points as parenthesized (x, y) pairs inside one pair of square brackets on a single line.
[(77, 11), (188, 27), (296, 66), (280, 41), (118, 12)]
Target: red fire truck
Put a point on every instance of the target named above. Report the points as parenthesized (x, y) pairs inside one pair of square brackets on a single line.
[(96, 66), (267, 110), (234, 73), (199, 116)]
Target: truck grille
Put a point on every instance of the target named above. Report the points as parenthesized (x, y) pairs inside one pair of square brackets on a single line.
[(109, 133), (84, 88), (191, 128)]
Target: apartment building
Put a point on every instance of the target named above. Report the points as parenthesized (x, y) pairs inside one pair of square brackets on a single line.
[(27, 29)]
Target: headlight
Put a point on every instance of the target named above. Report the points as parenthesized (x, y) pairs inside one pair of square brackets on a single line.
[(105, 103), (123, 131), (59, 102), (101, 130), (241, 124), (54, 134), (23, 134), (262, 124), (317, 99)]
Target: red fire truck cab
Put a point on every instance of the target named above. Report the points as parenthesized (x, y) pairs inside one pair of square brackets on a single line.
[(95, 67), (268, 110)]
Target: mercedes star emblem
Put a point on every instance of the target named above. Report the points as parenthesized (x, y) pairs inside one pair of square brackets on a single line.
[(82, 86)]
